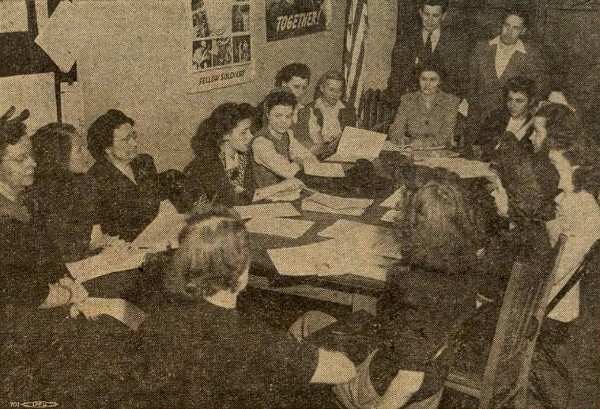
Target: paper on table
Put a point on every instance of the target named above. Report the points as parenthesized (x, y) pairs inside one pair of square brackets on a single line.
[(358, 144), (332, 170), (364, 238), (291, 228), (462, 167), (284, 191), (321, 202), (391, 147), (266, 210), (118, 308), (393, 200), (390, 216), (13, 16), (111, 260), (164, 230), (332, 257)]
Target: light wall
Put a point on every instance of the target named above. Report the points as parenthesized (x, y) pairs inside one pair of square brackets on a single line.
[(136, 55)]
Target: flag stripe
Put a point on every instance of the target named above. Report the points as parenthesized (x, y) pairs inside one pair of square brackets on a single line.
[(354, 50)]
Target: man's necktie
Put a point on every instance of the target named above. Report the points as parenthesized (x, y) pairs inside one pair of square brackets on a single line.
[(427, 47)]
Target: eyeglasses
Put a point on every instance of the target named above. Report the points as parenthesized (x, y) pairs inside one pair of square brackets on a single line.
[(132, 136)]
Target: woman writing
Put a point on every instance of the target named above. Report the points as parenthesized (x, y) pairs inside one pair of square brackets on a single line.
[(426, 118)]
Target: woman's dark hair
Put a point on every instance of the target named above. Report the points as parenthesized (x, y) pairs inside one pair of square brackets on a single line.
[(12, 130), (439, 230), (329, 75), (521, 84), (52, 147), (581, 152), (212, 255), (221, 121), (277, 96), (295, 69), (101, 132), (433, 65)]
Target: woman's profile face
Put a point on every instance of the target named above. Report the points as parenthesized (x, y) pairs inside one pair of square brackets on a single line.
[(80, 159), (239, 138), (565, 170), (429, 81), (280, 118), (17, 165), (539, 134), (124, 147)]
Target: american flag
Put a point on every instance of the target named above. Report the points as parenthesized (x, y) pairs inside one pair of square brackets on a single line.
[(357, 24)]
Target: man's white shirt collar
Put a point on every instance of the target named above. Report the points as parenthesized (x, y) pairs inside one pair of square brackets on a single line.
[(519, 46)]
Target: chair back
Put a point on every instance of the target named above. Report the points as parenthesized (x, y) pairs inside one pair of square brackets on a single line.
[(373, 113), (506, 378)]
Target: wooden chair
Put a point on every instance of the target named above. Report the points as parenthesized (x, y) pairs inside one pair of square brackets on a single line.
[(506, 378), (373, 112)]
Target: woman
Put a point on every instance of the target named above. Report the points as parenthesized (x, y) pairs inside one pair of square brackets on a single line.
[(426, 118), (277, 154), (220, 172), (128, 187), (215, 358), (320, 123), (63, 194), (576, 314), (408, 344)]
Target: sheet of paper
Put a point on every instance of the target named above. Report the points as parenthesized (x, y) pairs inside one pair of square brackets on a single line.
[(164, 230), (332, 257), (363, 238), (324, 203), (111, 260), (391, 147), (285, 191), (393, 200), (266, 210), (464, 168), (291, 228), (13, 16), (390, 216), (61, 37), (358, 144), (332, 170), (34, 92), (118, 308)]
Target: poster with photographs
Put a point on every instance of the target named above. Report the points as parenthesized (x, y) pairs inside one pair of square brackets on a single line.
[(222, 53), (293, 18)]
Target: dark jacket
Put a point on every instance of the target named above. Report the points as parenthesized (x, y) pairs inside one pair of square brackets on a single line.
[(206, 175), (492, 132), (67, 204), (451, 52), (126, 208)]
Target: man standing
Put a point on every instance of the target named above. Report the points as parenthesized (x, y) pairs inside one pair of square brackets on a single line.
[(494, 62), (430, 42)]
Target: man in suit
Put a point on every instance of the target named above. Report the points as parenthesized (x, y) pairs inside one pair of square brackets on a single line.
[(494, 62), (429, 42)]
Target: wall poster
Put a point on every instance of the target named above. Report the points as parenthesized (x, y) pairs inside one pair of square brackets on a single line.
[(293, 18), (222, 53)]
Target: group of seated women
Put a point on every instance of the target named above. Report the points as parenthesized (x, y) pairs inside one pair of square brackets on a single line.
[(61, 203)]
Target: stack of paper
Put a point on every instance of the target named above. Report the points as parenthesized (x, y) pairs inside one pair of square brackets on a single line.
[(332, 257), (390, 216), (321, 202), (364, 238), (462, 167), (291, 228), (358, 144), (285, 191), (111, 260), (164, 230), (265, 211), (332, 170)]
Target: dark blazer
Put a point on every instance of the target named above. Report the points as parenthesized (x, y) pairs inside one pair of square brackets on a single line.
[(486, 89), (67, 204), (451, 52), (29, 260), (206, 175), (126, 208), (492, 132)]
